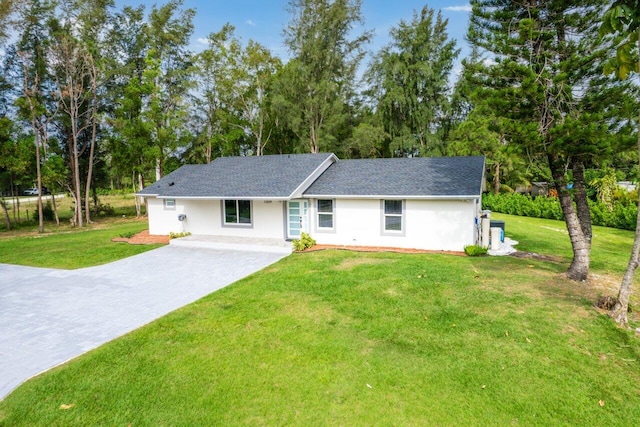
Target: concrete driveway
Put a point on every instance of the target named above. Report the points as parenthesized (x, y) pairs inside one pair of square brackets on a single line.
[(49, 316)]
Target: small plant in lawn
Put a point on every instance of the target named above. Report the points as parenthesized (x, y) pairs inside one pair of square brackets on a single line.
[(475, 250), (173, 235), (303, 243), (128, 234)]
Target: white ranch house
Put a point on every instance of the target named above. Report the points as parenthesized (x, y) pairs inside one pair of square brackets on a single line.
[(421, 203)]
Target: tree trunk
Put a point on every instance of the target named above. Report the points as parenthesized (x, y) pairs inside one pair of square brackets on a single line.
[(140, 187), (620, 310), (76, 183), (7, 220), (38, 137), (313, 143), (582, 203), (87, 190), (55, 208), (14, 198), (93, 77), (496, 179), (579, 268), (158, 169), (135, 198)]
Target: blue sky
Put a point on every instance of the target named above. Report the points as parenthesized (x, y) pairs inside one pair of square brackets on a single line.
[(263, 20)]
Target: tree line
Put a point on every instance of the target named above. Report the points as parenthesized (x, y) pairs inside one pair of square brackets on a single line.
[(91, 96)]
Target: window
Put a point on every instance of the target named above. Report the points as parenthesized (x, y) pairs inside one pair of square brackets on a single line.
[(392, 213), (169, 204), (237, 212), (325, 213)]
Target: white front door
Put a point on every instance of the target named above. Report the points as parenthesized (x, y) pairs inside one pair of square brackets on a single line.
[(297, 218)]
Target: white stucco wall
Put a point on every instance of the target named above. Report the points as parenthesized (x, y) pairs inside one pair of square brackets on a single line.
[(205, 217), (428, 224), (161, 220)]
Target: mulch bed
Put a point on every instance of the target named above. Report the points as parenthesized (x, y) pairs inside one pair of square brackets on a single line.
[(143, 238), (378, 249)]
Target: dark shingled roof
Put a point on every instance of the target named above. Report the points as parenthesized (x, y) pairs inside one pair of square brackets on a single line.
[(276, 176), (419, 177)]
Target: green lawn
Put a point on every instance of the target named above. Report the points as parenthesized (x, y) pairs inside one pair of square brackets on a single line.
[(72, 248), (611, 248), (345, 338)]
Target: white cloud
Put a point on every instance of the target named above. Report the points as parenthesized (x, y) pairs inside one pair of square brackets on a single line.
[(250, 22), (203, 40), (464, 8), (489, 62)]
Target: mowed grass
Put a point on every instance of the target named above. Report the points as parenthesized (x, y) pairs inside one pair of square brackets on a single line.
[(611, 248), (70, 248), (346, 338)]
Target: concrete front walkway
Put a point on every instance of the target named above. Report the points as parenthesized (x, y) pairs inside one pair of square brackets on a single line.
[(280, 246), (49, 316)]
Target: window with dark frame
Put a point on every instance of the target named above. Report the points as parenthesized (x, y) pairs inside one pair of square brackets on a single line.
[(237, 212), (393, 213), (325, 213)]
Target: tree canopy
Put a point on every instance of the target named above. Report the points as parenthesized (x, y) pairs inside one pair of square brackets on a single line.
[(94, 96)]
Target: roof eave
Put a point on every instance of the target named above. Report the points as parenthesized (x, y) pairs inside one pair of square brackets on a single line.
[(391, 196), (223, 197)]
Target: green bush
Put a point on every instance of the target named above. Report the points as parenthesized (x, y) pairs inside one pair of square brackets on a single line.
[(303, 243), (103, 209), (475, 250), (523, 205), (173, 235), (47, 213), (621, 215)]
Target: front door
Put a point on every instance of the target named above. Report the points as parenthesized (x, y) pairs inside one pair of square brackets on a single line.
[(297, 221)]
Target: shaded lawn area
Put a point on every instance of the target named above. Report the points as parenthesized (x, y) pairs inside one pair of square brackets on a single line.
[(610, 252), (71, 249), (344, 338)]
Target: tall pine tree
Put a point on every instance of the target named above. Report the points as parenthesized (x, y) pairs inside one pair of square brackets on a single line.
[(543, 55), (316, 84), (410, 83)]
